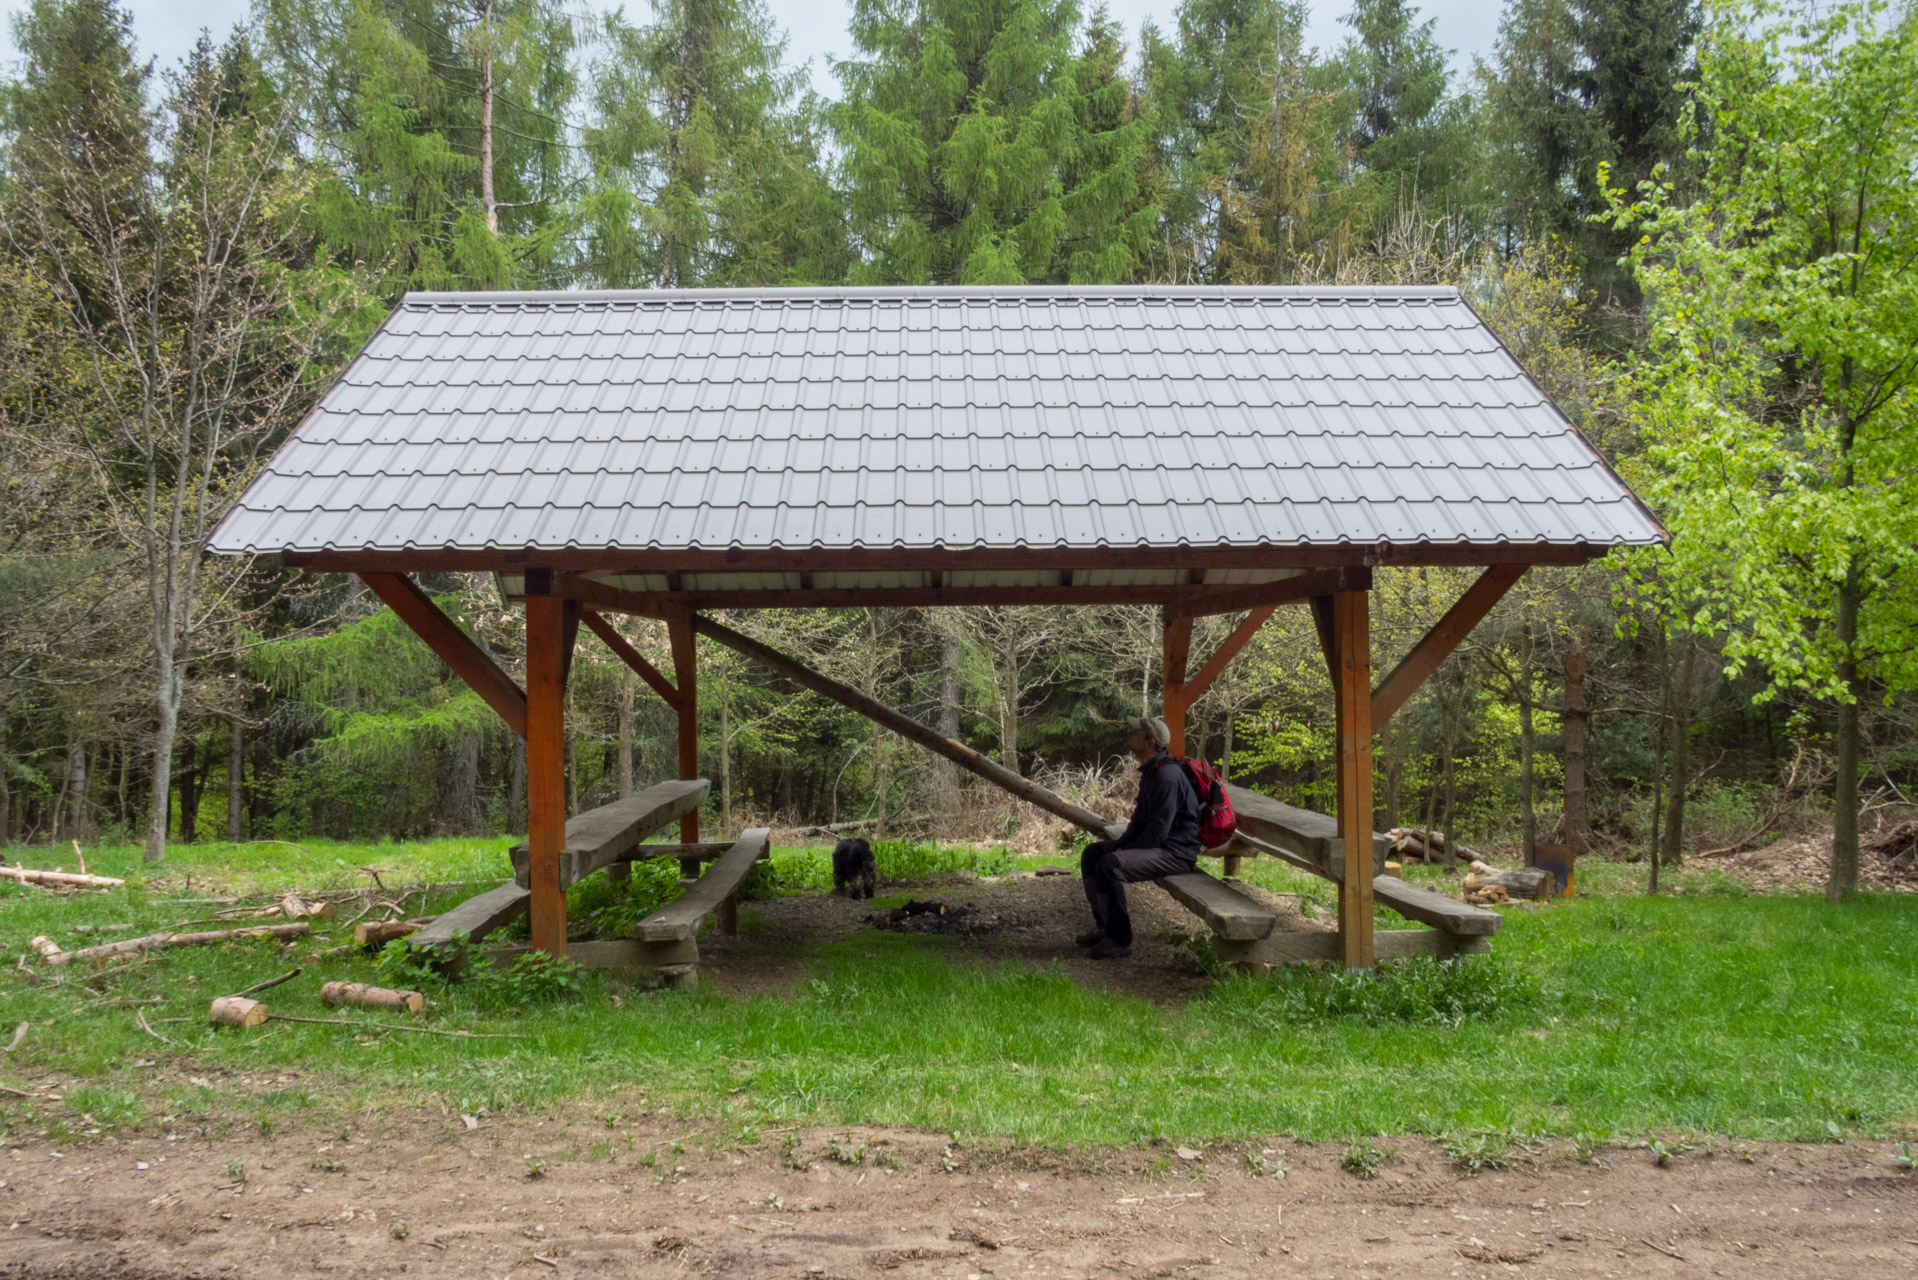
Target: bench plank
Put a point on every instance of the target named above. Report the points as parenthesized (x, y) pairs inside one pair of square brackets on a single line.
[(476, 917), (681, 917), (1323, 948), (1313, 837), (1229, 913), (1415, 902), (602, 836)]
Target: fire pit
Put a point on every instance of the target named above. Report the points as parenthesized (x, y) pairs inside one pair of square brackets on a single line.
[(933, 916)]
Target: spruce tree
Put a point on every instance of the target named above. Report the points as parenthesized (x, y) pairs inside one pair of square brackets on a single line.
[(1408, 133), (1575, 84), (972, 153), (705, 155), (441, 124)]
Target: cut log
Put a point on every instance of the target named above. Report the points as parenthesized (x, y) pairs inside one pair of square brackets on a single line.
[(1435, 909), (1417, 842), (49, 950), (1529, 883), (1229, 913), (679, 977), (155, 941), (370, 997), (294, 907), (1323, 948), (476, 917), (238, 1011), (612, 832), (57, 879), (681, 917), (375, 934)]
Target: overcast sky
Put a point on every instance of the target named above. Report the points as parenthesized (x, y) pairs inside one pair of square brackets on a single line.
[(166, 28)]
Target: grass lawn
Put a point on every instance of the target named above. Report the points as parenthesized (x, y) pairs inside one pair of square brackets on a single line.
[(1613, 1016)]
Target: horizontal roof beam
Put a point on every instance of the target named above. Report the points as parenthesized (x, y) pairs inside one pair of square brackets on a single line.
[(738, 560)]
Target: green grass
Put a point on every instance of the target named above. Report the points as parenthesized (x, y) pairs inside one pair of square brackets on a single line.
[(1610, 1017)]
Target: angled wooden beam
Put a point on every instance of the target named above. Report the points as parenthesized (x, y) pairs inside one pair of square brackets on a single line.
[(1199, 682), (1322, 620), (1446, 635), (630, 656), (905, 726), (455, 648)]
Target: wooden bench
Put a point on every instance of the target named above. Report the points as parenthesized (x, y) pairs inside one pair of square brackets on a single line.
[(670, 931), (613, 832)]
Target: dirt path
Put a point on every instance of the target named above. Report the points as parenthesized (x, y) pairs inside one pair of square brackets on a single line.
[(313, 1204)]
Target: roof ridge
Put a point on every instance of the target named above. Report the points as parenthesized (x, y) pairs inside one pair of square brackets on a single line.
[(942, 293)]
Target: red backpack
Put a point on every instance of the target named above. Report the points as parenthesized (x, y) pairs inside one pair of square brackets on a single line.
[(1217, 822)]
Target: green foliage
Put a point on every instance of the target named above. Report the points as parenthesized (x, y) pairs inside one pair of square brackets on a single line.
[(1419, 991), (980, 149), (1363, 1160), (537, 978), (1478, 1151)]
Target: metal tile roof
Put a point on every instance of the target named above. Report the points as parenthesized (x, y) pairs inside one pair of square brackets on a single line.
[(916, 418)]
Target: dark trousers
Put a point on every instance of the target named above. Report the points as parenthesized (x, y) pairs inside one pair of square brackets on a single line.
[(1106, 870)]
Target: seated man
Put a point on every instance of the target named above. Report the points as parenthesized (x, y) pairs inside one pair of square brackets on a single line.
[(1161, 840)]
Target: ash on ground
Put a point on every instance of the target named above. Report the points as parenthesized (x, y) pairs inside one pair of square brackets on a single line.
[(933, 916)]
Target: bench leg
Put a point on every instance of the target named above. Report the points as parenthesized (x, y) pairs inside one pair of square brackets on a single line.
[(726, 917), (679, 977), (1231, 866)]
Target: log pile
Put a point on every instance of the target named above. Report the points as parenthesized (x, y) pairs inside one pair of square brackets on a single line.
[(1418, 844), (369, 997), (1487, 885)]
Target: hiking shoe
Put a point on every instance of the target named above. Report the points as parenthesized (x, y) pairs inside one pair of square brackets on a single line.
[(1107, 949), (1090, 939)]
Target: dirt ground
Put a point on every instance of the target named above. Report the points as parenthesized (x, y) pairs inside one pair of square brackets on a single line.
[(429, 1196), (1039, 915)]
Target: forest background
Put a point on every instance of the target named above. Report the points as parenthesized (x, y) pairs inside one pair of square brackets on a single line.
[(1695, 226)]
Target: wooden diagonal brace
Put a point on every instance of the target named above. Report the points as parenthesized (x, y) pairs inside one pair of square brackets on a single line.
[(1446, 635), (1196, 686), (455, 648), (905, 726), (630, 656)]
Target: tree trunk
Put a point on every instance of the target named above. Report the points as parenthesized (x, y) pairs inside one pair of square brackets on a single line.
[(1009, 718), (945, 773), (627, 687), (1395, 747), (1576, 824), (516, 788), (1673, 852), (235, 780), (460, 812), (6, 792), (488, 200), (159, 813), (77, 827), (1843, 881), (1527, 746), (189, 792)]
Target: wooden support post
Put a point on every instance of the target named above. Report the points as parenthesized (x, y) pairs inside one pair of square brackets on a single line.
[(1352, 693), (1178, 648), (546, 768)]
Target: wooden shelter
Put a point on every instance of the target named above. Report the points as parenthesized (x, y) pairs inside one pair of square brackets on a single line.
[(1206, 451)]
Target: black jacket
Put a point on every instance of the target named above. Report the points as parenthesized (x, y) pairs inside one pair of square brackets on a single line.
[(1166, 815)]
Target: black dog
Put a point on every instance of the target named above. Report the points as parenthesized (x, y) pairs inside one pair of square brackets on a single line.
[(853, 870)]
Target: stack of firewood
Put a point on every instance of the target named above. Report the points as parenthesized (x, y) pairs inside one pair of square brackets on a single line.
[(1419, 844)]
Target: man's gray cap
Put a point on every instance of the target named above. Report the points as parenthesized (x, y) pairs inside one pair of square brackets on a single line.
[(1152, 725)]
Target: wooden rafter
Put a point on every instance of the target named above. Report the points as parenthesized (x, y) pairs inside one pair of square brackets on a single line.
[(1446, 635), (630, 656), (455, 648)]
